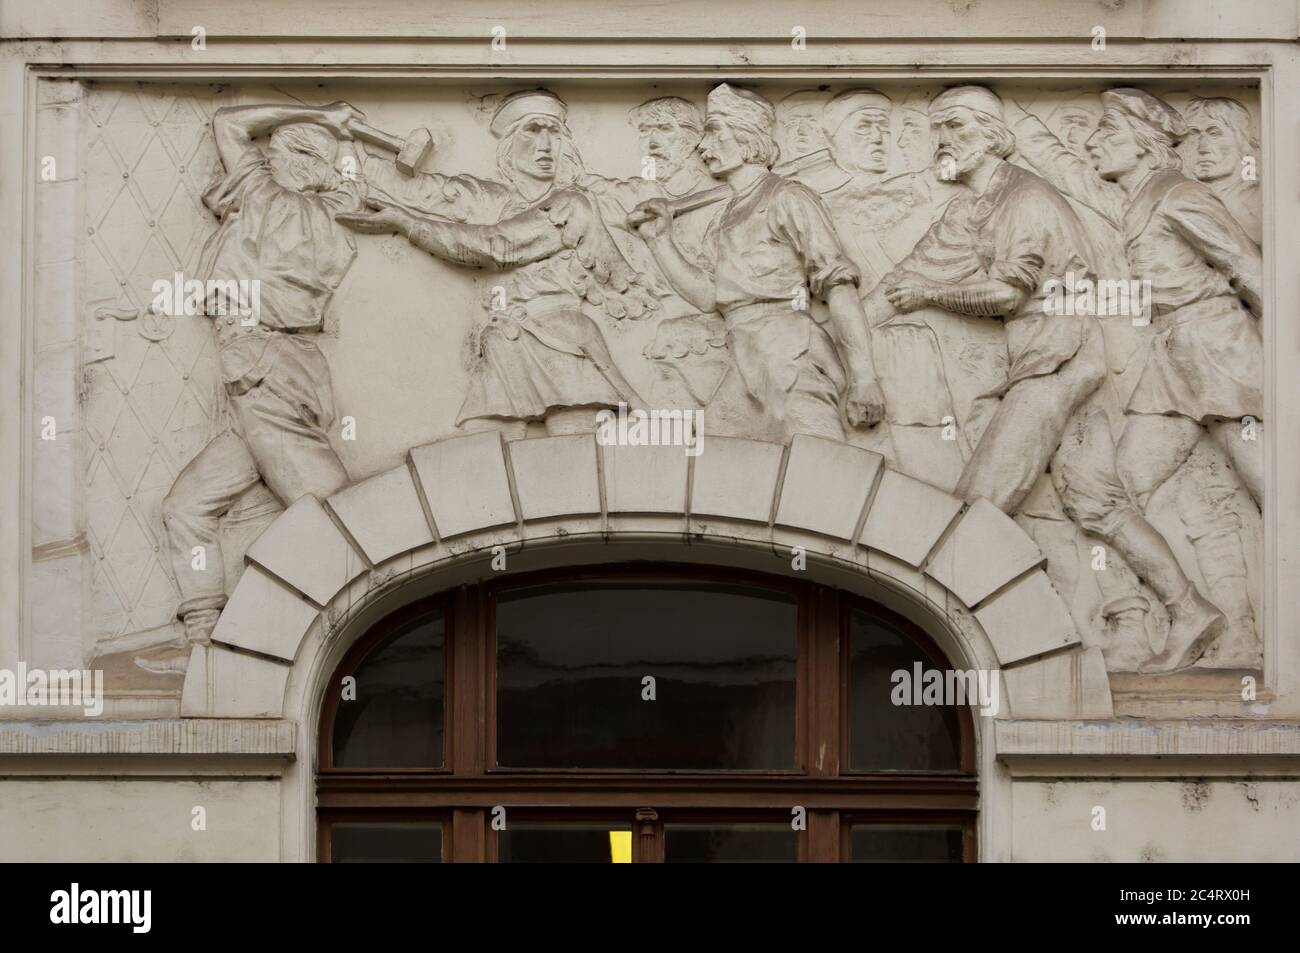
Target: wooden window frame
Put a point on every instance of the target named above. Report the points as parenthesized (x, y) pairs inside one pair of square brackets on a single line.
[(464, 790)]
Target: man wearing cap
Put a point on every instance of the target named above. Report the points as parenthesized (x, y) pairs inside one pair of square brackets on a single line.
[(996, 253), (799, 123), (773, 247), (277, 227), (540, 356)]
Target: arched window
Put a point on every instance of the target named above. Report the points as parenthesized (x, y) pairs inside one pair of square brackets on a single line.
[(643, 713)]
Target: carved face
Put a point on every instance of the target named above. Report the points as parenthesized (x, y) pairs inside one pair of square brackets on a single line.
[(803, 130), (719, 147), (667, 142), (959, 142), (1218, 148), (861, 143), (1113, 148), (1074, 125), (914, 140), (535, 147)]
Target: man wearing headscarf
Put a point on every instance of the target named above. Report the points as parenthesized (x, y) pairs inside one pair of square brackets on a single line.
[(541, 356), (277, 228), (997, 253), (772, 249)]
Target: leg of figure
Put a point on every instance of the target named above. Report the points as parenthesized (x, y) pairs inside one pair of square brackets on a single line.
[(812, 405), (1098, 499), (1017, 444), (1245, 452), (1206, 495), (1151, 450), (293, 456), (192, 510)]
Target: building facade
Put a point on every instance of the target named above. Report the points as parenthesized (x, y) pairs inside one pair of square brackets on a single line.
[(673, 433)]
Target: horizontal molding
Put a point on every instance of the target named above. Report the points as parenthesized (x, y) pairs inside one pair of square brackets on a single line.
[(1152, 749), (219, 737)]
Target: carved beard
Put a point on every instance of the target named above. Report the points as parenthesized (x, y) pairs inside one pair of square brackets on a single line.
[(964, 157)]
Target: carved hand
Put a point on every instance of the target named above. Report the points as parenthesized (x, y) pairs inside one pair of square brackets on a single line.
[(865, 406), (652, 218), (336, 116), (906, 291)]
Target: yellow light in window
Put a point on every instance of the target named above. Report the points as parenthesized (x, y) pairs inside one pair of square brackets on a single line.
[(620, 847)]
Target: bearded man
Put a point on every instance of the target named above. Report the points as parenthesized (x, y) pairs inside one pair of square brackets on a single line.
[(997, 253)]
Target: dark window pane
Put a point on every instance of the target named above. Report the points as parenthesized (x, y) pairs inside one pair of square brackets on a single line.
[(884, 736), (570, 843), (730, 843), (906, 843), (386, 842), (571, 662), (395, 721)]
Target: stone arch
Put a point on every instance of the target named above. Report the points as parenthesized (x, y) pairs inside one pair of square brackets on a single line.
[(968, 569)]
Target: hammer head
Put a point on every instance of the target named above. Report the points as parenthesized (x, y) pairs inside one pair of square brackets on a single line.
[(414, 150)]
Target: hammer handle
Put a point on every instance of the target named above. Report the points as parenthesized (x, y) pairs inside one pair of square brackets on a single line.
[(375, 137), (687, 203)]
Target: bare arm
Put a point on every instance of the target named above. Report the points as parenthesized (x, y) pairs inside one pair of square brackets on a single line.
[(986, 298), (235, 127), (689, 280), (865, 402)]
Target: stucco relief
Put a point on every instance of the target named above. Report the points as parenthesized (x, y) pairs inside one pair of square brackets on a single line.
[(871, 265)]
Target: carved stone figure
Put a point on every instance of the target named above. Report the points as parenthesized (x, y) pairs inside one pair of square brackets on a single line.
[(688, 348), (773, 247), (1226, 157), (799, 124), (277, 228), (995, 253), (541, 355), (1205, 498)]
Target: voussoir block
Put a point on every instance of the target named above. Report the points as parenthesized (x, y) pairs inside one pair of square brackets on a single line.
[(305, 549), (645, 479), (383, 514), (984, 552), (220, 683), (736, 479), (556, 476), (264, 616), (1068, 685), (465, 483), (907, 518), (1028, 619), (826, 485)]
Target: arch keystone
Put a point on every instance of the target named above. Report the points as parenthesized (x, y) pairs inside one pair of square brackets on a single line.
[(556, 476), (736, 478)]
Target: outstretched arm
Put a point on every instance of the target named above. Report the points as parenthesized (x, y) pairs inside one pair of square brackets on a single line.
[(235, 127), (526, 238), (988, 297)]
